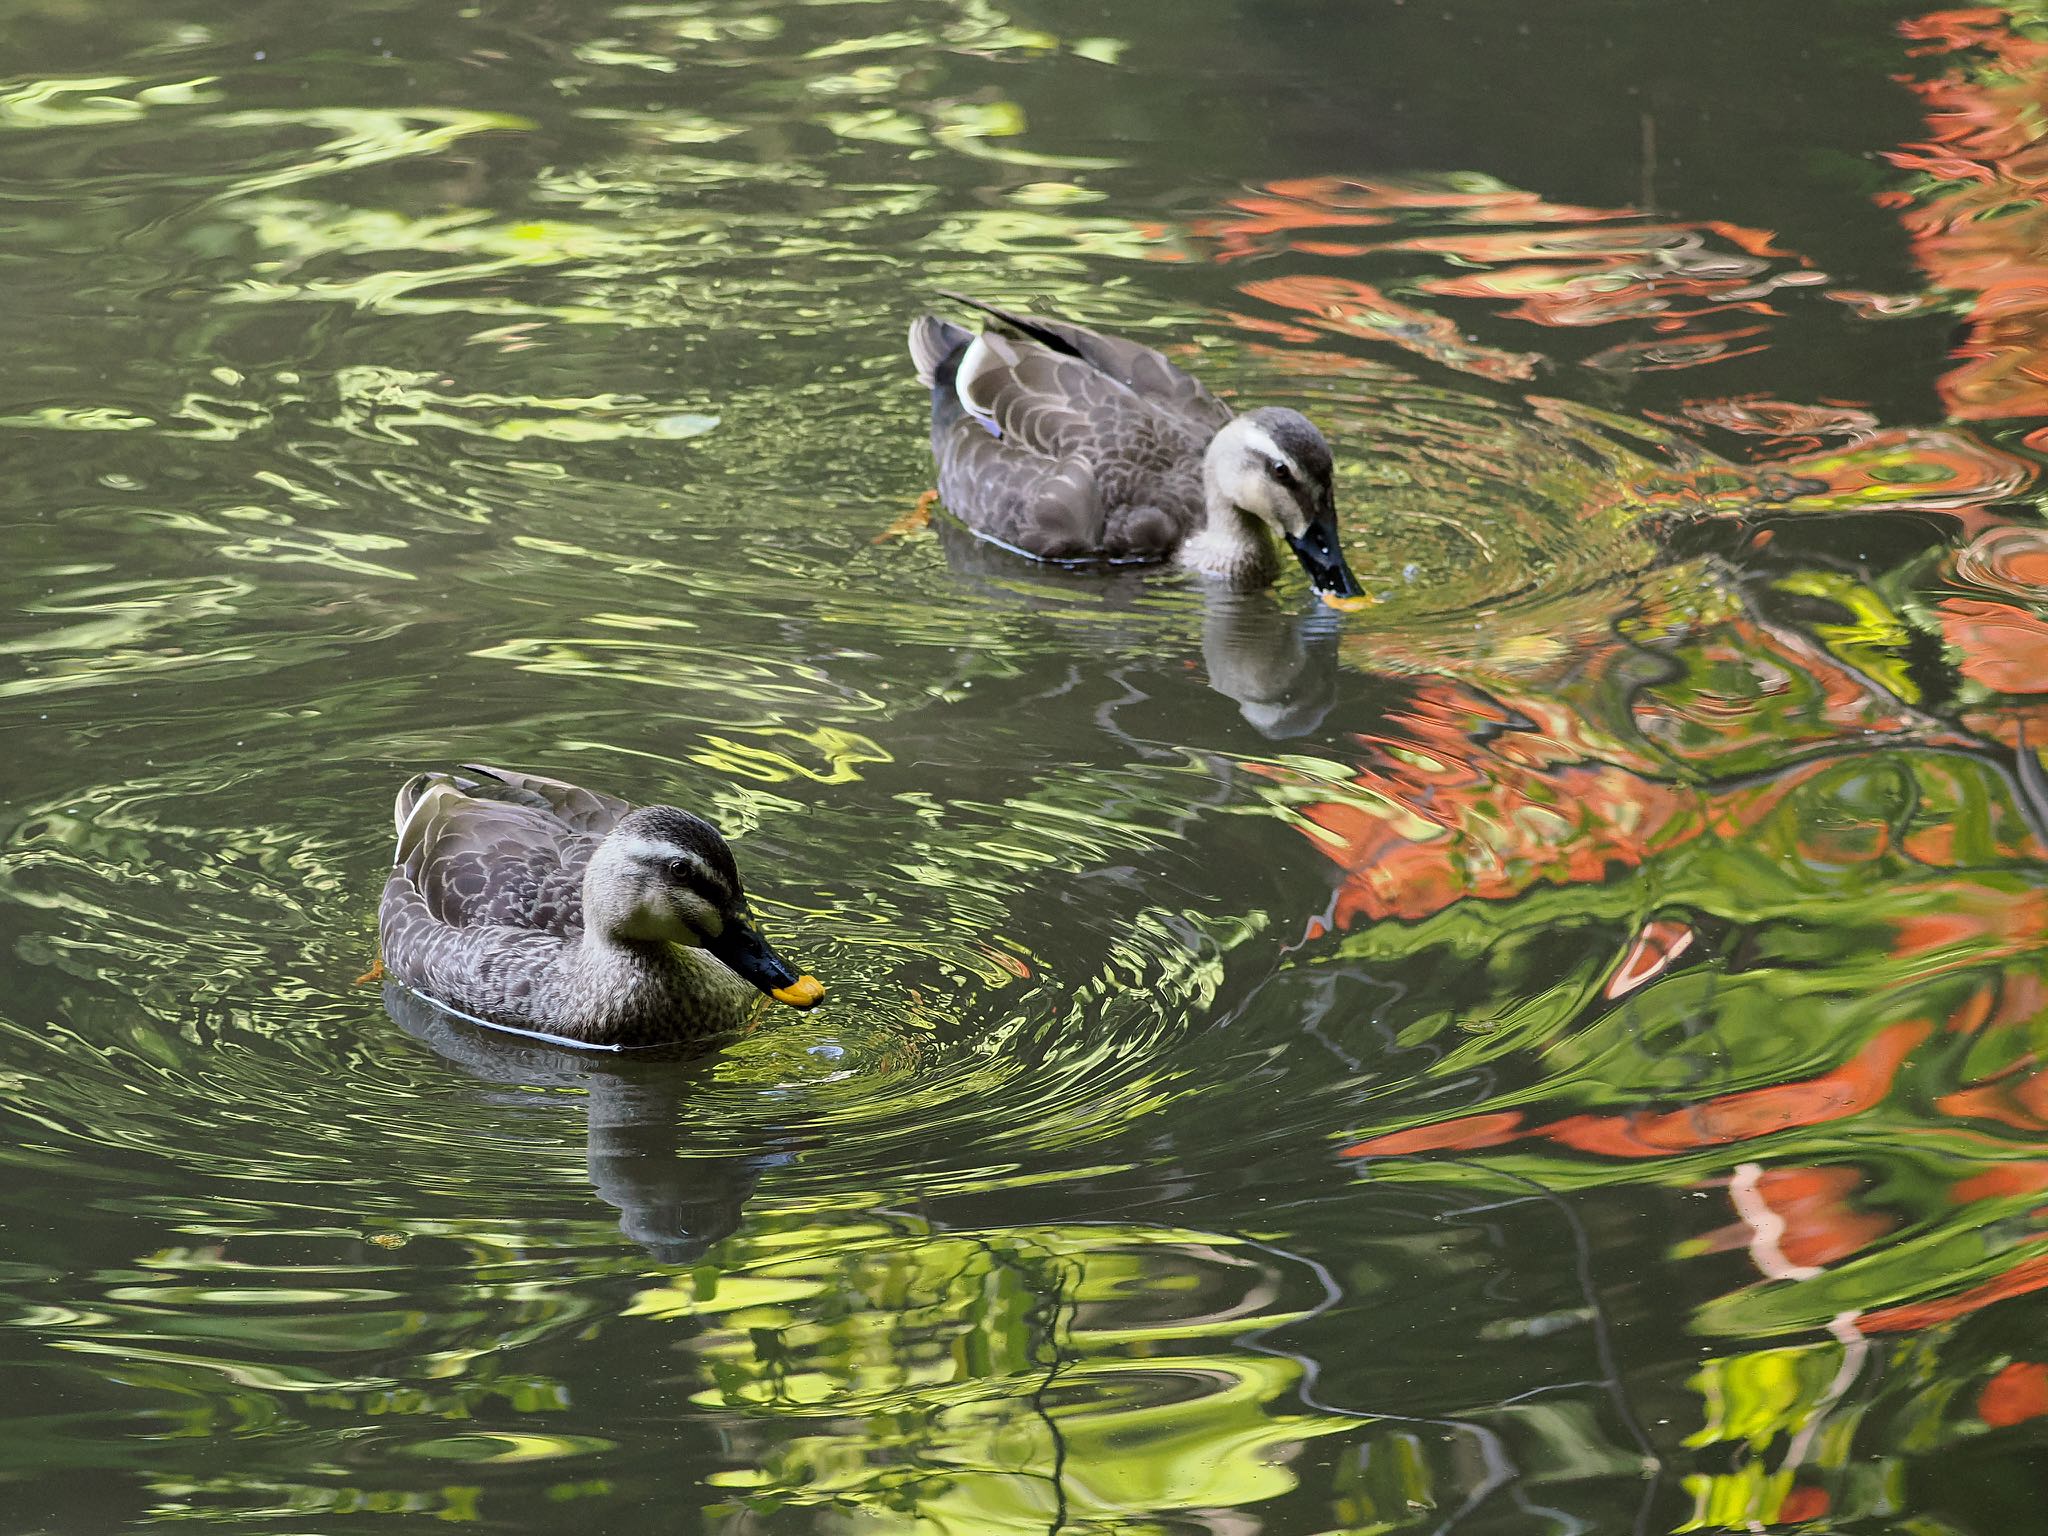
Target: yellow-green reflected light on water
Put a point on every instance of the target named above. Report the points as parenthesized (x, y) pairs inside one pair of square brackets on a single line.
[(1553, 1049)]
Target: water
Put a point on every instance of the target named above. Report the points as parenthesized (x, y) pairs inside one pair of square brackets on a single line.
[(1554, 1051)]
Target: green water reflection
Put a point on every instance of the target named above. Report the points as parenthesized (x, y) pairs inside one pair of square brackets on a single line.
[(1556, 1050)]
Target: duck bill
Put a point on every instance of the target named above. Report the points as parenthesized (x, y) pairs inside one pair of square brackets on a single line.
[(1317, 550), (742, 950)]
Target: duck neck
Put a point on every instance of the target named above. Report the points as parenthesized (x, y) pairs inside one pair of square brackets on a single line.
[(611, 981), (1231, 545)]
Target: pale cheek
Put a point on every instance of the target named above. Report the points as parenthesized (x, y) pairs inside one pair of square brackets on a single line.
[(1255, 495), (705, 921), (1281, 508)]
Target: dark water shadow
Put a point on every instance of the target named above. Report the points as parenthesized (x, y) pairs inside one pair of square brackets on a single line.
[(1277, 665), (675, 1204)]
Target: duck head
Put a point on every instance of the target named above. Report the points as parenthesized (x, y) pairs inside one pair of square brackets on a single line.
[(1272, 464), (663, 875)]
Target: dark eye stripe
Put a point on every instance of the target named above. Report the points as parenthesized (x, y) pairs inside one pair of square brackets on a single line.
[(700, 882)]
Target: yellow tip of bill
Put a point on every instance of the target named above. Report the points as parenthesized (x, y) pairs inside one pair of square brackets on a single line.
[(1344, 604), (804, 992)]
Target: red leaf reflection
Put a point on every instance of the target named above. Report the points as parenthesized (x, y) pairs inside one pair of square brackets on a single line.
[(2003, 647), (2011, 559), (2014, 1395), (1351, 308), (1549, 264), (1736, 1117), (1981, 227), (2026, 1276), (1656, 949), (1814, 1221)]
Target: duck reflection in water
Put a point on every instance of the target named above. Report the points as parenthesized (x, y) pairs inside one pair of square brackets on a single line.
[(1277, 664), (1280, 667), (675, 1206)]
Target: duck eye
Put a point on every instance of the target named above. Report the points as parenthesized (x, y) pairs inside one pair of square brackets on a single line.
[(678, 871), (1280, 472)]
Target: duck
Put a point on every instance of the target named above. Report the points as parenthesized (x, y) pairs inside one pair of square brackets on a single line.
[(1069, 446), (535, 905)]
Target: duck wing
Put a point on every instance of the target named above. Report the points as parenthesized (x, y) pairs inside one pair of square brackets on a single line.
[(1044, 451), (1061, 443), (579, 809), (1046, 505), (1140, 369), (499, 850)]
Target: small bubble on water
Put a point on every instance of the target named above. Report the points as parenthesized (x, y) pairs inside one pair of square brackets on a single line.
[(829, 1052)]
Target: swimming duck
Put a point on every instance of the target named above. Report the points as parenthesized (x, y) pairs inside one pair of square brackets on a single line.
[(1063, 444), (538, 906)]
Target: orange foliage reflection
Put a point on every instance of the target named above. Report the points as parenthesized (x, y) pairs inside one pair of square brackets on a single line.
[(1430, 833), (1348, 307), (1791, 427), (1658, 947), (2015, 1394), (1272, 217), (2023, 1278), (1465, 795), (1979, 224), (1546, 263), (1736, 1117), (1491, 788), (1817, 1221), (1430, 818), (1905, 470), (2003, 647)]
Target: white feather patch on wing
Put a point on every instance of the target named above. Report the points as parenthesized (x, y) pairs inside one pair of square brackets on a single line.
[(401, 813), (412, 825), (928, 347), (987, 357)]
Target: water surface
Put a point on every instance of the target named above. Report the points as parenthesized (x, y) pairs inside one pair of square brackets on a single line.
[(1554, 1051)]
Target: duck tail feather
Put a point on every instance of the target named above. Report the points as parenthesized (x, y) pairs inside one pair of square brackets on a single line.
[(1046, 335), (510, 788), (584, 809), (932, 343)]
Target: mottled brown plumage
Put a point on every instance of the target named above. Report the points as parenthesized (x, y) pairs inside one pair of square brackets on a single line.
[(538, 905), (1070, 446)]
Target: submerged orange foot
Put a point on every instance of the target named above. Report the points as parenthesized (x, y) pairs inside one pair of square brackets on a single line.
[(374, 973), (916, 520)]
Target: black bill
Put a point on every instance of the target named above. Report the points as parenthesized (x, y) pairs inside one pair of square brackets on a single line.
[(1316, 548), (742, 949)]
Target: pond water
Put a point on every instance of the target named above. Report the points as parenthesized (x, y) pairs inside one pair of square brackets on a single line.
[(1559, 1049)]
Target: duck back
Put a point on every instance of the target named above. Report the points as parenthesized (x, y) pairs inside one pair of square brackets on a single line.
[(1061, 443)]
